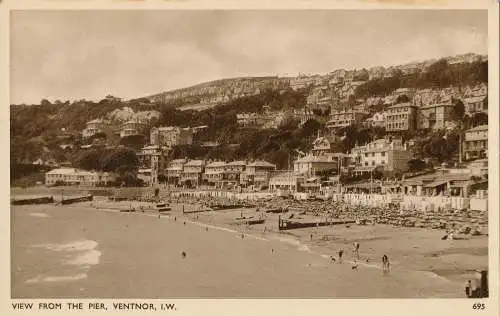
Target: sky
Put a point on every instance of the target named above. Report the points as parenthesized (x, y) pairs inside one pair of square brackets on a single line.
[(71, 55)]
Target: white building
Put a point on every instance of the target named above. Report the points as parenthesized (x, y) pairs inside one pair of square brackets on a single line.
[(132, 128), (391, 155), (214, 172), (310, 165), (476, 142), (286, 182), (94, 127), (174, 171), (72, 176)]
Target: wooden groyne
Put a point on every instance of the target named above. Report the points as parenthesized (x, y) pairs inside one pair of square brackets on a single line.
[(216, 207), (285, 224), (254, 221), (86, 198), (40, 200), (276, 210)]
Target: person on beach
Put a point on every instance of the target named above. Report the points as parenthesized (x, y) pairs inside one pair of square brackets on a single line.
[(385, 263), (332, 259), (468, 289), (356, 250), (183, 254), (341, 252), (311, 237), (355, 266), (184, 222)]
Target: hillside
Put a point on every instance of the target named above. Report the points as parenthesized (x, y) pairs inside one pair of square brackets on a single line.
[(40, 131)]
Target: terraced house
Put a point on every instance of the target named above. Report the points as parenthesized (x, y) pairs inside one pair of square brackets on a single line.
[(386, 154), (72, 176), (340, 119), (476, 142), (401, 117), (434, 116), (192, 173)]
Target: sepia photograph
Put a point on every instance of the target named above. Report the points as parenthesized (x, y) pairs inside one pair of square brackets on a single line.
[(249, 154)]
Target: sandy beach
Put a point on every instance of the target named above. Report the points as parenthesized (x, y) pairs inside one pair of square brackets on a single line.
[(93, 250)]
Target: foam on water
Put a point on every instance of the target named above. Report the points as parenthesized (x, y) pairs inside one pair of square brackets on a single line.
[(83, 255), (294, 242), (89, 258), (83, 245), (38, 215), (39, 278)]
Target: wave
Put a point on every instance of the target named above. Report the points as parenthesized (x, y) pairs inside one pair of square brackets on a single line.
[(39, 278)]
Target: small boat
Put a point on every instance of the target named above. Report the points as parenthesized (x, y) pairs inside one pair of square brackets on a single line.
[(255, 221), (163, 207)]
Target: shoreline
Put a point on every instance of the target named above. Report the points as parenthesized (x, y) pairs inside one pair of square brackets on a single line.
[(298, 238), (417, 254)]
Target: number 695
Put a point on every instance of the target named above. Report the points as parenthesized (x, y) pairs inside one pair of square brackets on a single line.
[(478, 306)]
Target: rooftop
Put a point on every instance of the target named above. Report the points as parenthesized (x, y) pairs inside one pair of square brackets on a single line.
[(216, 164), (315, 159), (261, 163), (401, 105), (195, 163), (74, 171), (435, 105), (237, 163), (475, 99), (478, 128)]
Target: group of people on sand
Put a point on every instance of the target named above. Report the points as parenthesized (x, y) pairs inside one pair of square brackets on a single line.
[(385, 258)]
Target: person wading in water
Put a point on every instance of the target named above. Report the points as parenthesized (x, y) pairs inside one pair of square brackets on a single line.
[(356, 250)]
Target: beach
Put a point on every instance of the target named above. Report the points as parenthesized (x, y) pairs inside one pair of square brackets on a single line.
[(92, 249)]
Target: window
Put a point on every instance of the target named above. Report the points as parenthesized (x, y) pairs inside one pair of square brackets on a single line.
[(373, 163), (382, 154)]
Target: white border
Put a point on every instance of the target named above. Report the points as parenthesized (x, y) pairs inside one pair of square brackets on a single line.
[(418, 307)]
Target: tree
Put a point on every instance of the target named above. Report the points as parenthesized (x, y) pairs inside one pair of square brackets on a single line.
[(458, 111), (129, 179), (416, 165), (362, 75), (403, 98), (479, 118), (310, 128), (119, 159), (45, 102), (133, 141), (88, 160)]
